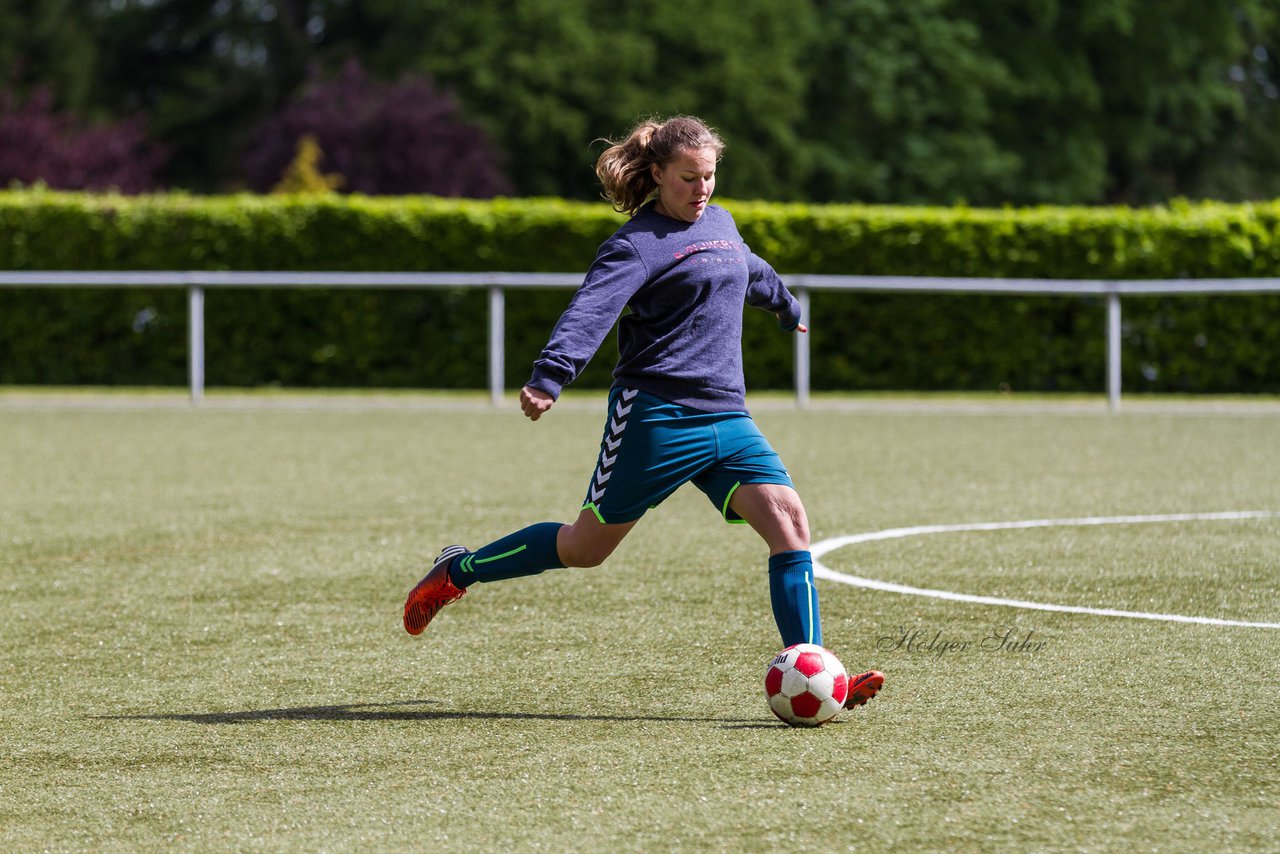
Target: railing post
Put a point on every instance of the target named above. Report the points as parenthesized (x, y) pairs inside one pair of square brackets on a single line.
[(497, 357), (1113, 349), (802, 351), (195, 350)]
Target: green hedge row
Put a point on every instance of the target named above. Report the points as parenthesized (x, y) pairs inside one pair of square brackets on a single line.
[(436, 338)]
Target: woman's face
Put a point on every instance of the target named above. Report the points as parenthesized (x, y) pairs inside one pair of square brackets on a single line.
[(686, 183)]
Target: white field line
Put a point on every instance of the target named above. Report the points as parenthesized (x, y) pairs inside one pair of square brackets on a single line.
[(824, 547)]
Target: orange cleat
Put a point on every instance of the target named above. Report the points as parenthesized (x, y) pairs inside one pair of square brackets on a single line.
[(863, 687), (432, 593)]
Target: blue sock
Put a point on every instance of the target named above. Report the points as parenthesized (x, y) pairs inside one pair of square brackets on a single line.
[(794, 598), (526, 552)]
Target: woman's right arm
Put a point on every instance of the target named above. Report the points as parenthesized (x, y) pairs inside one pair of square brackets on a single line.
[(614, 277)]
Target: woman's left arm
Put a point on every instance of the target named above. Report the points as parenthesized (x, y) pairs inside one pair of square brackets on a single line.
[(765, 290)]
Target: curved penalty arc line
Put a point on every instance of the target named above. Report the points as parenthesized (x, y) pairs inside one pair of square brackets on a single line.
[(821, 570)]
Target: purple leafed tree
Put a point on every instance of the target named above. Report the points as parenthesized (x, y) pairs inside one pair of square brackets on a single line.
[(39, 144), (382, 138)]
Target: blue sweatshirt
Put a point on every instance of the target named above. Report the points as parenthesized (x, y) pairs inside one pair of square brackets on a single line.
[(684, 284)]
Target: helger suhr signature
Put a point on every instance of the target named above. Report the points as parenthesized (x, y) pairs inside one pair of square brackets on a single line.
[(921, 640)]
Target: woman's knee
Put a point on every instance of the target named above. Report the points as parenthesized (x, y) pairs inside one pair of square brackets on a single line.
[(793, 521), (776, 512), (583, 554), (588, 541)]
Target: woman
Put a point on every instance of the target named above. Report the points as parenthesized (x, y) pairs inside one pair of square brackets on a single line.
[(677, 409)]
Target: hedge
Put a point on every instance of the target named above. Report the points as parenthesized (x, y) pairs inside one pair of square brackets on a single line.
[(436, 338)]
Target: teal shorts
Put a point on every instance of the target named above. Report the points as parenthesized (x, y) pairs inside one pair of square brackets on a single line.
[(652, 447)]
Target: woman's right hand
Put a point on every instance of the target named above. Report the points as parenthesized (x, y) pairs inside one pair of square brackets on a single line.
[(534, 402)]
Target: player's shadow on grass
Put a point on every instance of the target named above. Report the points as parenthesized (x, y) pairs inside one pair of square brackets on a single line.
[(399, 712)]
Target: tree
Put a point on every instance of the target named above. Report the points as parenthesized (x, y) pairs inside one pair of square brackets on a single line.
[(1117, 100), (406, 137), (546, 79), (51, 45), (38, 144), (900, 106), (1167, 97), (206, 72), (303, 176), (986, 101), (1031, 101), (1244, 161)]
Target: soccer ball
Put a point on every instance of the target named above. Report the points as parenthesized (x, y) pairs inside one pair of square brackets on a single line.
[(806, 685)]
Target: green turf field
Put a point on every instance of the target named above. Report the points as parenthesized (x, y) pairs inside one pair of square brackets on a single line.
[(201, 645)]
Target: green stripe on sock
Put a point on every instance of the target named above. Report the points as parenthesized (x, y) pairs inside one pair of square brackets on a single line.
[(525, 552), (501, 556)]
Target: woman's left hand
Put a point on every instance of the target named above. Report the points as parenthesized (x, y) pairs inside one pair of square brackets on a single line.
[(799, 327)]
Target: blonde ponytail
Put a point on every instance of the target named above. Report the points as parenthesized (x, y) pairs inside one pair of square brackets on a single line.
[(623, 167)]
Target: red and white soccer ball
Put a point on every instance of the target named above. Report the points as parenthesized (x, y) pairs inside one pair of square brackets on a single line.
[(806, 685)]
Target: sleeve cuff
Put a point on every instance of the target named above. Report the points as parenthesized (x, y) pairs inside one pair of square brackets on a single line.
[(544, 383), (790, 319)]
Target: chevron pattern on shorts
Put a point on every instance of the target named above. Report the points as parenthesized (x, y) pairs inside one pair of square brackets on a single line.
[(612, 441)]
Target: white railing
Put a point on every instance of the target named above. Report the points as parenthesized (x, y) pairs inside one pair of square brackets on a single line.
[(195, 282)]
